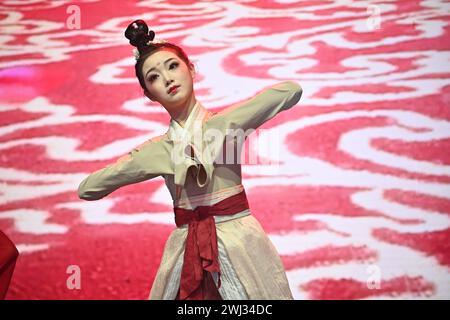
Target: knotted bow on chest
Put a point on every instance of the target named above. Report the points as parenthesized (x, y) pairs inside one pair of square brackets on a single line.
[(190, 150), (201, 249)]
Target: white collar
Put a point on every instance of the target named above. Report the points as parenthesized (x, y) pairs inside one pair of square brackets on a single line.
[(188, 135), (191, 125)]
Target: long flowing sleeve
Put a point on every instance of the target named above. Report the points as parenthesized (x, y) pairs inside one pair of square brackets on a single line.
[(254, 112), (144, 162), (249, 115)]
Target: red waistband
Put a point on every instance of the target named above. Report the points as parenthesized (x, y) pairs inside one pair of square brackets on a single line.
[(201, 250)]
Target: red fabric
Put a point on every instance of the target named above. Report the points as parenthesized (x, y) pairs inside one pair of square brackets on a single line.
[(8, 257), (201, 253), (208, 287)]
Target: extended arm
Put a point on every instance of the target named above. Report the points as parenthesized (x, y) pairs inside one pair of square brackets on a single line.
[(262, 107), (142, 163)]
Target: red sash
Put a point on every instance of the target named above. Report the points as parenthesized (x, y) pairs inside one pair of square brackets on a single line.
[(201, 252)]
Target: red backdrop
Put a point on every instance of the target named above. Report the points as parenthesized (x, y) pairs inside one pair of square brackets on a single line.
[(360, 205)]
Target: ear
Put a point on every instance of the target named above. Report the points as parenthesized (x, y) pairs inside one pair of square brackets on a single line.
[(192, 71)]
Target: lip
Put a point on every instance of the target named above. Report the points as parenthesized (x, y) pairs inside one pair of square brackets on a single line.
[(172, 89)]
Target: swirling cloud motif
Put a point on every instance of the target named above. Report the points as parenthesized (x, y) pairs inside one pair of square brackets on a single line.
[(359, 203)]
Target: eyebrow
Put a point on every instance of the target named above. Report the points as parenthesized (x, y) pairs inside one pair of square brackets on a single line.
[(155, 67)]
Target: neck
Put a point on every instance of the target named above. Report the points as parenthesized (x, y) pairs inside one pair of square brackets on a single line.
[(181, 113)]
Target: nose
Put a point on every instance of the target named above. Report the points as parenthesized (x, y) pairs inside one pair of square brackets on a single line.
[(168, 81)]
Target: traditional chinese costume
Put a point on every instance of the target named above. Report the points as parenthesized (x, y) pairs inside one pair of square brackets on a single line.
[(217, 238)]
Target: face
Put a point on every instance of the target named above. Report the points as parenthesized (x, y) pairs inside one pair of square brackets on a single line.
[(162, 70)]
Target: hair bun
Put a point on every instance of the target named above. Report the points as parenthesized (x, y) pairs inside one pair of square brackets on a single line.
[(138, 34)]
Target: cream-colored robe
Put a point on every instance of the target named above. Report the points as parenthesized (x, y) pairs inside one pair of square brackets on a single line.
[(250, 265)]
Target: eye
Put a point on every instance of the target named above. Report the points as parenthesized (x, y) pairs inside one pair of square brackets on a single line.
[(153, 77)]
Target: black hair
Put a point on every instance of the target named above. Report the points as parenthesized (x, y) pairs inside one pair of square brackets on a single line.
[(139, 35)]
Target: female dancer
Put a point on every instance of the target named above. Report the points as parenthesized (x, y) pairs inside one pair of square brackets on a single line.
[(219, 249)]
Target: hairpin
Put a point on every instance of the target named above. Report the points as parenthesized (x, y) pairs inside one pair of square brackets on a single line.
[(136, 51)]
